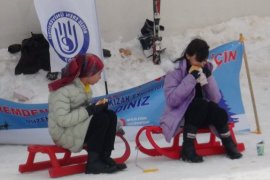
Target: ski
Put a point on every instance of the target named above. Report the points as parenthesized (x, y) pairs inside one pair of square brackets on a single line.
[(156, 38)]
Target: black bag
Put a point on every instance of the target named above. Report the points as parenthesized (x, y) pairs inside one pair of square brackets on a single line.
[(34, 55), (147, 31)]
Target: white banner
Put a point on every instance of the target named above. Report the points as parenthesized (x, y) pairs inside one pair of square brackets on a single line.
[(71, 27)]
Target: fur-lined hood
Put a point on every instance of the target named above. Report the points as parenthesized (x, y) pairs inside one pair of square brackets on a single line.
[(169, 66)]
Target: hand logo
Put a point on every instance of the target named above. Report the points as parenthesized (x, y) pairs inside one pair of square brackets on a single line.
[(66, 37), (68, 34)]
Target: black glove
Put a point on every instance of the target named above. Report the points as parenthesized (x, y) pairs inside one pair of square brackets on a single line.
[(95, 109), (195, 74), (207, 72)]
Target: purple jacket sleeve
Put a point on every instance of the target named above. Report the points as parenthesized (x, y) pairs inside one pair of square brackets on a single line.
[(211, 90), (178, 88)]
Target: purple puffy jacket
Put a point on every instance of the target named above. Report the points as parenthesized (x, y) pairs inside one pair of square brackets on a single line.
[(179, 87)]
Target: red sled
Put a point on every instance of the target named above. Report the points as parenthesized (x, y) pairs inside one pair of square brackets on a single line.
[(211, 147), (67, 165)]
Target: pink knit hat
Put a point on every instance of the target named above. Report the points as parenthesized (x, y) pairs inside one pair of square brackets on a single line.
[(82, 65)]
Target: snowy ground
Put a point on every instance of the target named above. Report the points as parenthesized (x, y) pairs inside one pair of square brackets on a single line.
[(124, 73)]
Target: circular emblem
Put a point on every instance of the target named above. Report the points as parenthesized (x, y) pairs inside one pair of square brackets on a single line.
[(68, 35)]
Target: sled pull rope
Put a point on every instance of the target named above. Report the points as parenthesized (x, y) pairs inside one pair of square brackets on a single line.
[(148, 170)]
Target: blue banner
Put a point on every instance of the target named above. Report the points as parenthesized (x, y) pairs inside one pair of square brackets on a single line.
[(143, 105), (22, 116), (139, 106), (228, 59)]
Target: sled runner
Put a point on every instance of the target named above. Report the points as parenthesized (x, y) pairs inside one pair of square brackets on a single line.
[(211, 147), (67, 165)]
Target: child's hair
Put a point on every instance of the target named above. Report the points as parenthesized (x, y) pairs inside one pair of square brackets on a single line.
[(197, 47)]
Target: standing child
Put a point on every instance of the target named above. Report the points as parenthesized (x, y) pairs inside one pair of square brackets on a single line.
[(192, 98), (74, 122)]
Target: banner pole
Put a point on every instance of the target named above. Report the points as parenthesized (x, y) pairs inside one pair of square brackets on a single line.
[(106, 85), (258, 129), (101, 54)]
